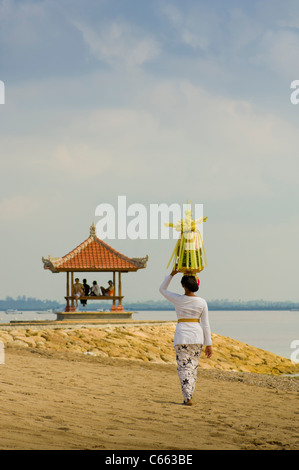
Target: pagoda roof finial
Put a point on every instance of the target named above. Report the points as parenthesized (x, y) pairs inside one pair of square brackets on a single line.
[(93, 231)]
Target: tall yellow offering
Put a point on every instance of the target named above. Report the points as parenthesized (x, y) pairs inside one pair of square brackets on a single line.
[(188, 256)]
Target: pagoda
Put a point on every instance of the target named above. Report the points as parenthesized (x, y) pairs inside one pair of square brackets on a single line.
[(93, 255)]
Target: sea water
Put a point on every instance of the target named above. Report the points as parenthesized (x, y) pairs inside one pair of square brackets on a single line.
[(274, 331)]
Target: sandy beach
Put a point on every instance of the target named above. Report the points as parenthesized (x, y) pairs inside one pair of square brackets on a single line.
[(59, 398)]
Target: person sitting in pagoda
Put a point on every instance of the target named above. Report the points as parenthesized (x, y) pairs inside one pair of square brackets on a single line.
[(95, 290), (86, 288), (110, 289), (78, 290)]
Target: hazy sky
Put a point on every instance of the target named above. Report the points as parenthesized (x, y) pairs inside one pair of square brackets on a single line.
[(163, 102)]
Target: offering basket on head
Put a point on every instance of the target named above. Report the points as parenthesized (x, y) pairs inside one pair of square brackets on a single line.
[(188, 256)]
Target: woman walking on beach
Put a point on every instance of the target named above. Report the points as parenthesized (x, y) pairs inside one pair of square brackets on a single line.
[(192, 332)]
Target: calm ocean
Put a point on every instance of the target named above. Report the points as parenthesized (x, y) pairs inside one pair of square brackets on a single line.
[(270, 330)]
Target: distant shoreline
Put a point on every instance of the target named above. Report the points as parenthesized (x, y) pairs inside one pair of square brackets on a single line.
[(33, 304), (148, 309)]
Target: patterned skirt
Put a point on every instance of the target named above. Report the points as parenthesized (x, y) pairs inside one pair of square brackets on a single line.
[(187, 356)]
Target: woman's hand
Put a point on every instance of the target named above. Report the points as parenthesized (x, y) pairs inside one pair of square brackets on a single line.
[(208, 351), (173, 272)]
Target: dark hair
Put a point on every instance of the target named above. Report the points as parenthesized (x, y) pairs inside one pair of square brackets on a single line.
[(84, 280), (190, 283)]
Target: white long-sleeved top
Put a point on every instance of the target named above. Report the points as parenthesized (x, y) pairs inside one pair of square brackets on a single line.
[(189, 307)]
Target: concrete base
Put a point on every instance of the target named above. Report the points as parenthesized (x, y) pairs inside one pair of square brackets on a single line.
[(118, 315)]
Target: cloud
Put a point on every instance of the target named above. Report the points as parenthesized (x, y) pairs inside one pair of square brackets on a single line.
[(119, 43), (231, 143), (190, 25), (17, 207), (237, 148), (76, 160), (279, 51), (163, 106)]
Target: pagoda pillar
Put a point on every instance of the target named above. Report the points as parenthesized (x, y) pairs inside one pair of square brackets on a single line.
[(72, 307), (67, 308), (120, 307), (113, 307)]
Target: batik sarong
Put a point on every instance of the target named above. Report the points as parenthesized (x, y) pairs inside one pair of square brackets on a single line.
[(187, 356)]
